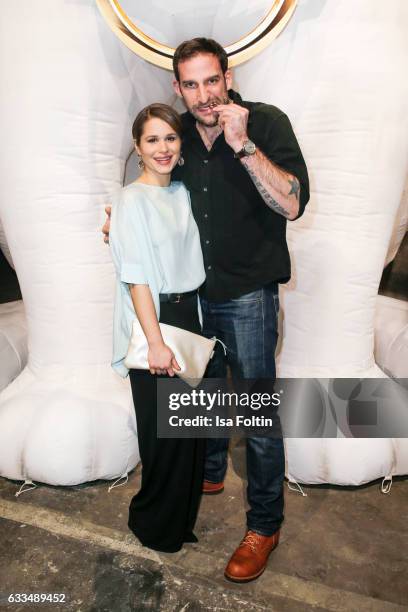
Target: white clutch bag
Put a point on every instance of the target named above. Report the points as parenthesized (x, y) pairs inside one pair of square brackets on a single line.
[(192, 352)]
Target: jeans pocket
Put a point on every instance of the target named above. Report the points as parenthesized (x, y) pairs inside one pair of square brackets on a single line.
[(253, 296)]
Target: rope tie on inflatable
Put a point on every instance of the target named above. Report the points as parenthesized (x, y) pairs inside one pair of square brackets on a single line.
[(297, 488), (386, 485), (29, 483), (112, 486)]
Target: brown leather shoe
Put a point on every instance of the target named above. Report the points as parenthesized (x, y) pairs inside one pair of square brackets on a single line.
[(250, 558), (212, 488)]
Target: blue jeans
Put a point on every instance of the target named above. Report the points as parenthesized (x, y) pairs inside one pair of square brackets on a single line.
[(248, 327)]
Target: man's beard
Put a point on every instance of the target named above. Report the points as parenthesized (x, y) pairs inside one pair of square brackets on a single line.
[(213, 121)]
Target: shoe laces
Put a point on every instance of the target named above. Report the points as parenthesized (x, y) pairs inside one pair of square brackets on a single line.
[(252, 540)]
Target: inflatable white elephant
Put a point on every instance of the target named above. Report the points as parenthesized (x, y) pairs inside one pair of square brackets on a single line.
[(337, 71)]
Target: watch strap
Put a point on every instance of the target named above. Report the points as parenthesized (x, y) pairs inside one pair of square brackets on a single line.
[(244, 152)]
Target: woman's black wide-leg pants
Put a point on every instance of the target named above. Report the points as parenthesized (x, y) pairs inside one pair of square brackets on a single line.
[(163, 513)]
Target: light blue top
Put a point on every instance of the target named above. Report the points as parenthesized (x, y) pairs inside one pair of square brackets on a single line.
[(154, 240)]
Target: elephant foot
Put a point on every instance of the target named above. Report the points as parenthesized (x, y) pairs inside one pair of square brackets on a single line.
[(65, 426)]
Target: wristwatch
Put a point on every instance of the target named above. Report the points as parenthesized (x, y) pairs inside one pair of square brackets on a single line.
[(248, 148)]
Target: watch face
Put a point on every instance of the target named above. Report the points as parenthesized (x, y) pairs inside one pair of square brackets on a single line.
[(249, 147)]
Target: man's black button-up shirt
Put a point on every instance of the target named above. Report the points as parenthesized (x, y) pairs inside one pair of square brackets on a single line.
[(243, 241)]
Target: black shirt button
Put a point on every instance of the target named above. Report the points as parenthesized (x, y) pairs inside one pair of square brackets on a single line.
[(205, 216), (209, 267), (206, 161), (207, 242), (205, 189)]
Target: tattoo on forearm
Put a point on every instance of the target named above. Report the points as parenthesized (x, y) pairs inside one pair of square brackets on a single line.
[(269, 179), (294, 187), (266, 196)]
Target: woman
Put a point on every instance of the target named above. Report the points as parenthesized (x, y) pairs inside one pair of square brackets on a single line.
[(159, 265)]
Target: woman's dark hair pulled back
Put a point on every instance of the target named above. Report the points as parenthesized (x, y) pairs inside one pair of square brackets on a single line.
[(160, 111)]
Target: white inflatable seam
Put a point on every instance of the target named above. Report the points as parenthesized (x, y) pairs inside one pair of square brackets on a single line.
[(390, 346), (13, 347)]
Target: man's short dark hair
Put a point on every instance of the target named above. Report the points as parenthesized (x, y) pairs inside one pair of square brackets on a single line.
[(195, 46)]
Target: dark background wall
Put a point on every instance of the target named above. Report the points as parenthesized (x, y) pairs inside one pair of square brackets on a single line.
[(9, 287), (394, 282)]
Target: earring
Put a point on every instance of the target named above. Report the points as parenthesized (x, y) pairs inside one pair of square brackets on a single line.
[(181, 161), (140, 163)]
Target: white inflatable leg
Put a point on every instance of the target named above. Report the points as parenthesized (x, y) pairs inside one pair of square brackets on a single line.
[(337, 71), (71, 97)]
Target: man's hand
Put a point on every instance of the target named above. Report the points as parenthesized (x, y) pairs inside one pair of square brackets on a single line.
[(106, 227), (233, 119)]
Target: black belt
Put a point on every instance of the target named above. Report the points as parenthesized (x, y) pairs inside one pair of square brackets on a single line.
[(175, 298)]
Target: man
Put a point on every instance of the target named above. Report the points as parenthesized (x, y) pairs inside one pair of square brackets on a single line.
[(247, 177)]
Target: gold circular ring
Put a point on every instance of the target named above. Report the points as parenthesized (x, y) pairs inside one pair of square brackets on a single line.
[(162, 55)]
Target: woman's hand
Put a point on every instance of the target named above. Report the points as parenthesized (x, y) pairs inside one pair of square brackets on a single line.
[(161, 359)]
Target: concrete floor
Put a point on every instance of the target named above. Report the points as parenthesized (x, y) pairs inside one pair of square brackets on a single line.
[(341, 550)]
